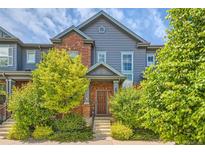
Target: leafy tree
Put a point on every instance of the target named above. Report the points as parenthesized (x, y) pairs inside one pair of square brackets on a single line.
[(125, 105), (174, 89), (58, 85), (61, 81)]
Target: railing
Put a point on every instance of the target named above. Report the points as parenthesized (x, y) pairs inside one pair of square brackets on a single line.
[(4, 113), (93, 114)]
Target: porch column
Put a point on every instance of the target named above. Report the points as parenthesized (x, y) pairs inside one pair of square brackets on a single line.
[(115, 86), (9, 85)]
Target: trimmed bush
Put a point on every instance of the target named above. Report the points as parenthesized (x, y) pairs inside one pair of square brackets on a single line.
[(121, 132), (75, 136), (69, 123), (125, 105), (42, 132), (19, 132)]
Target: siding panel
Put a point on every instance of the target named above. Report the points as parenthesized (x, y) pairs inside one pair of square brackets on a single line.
[(114, 41)]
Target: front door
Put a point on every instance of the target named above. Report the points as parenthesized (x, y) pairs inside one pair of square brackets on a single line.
[(102, 102)]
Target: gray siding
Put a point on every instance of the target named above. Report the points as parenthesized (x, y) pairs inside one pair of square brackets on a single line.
[(114, 41), (14, 67)]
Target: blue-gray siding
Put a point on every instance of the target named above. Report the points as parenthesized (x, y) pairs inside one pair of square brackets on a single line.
[(114, 41)]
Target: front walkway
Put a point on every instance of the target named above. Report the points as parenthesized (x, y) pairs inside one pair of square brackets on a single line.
[(108, 141)]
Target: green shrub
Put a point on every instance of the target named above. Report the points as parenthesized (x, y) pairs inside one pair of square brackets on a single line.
[(19, 132), (144, 134), (69, 123), (75, 136), (121, 132), (42, 132), (26, 108), (125, 105)]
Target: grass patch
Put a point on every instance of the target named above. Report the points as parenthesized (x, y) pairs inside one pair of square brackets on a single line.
[(144, 134)]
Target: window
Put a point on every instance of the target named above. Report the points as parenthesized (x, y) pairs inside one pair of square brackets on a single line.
[(73, 54), (150, 59), (31, 56), (101, 57), (127, 64), (101, 29), (6, 56)]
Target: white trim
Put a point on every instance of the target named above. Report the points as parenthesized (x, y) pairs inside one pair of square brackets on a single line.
[(127, 53), (149, 55), (8, 56), (105, 55), (27, 53)]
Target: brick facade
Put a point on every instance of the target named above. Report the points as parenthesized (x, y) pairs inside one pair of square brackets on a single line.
[(75, 42)]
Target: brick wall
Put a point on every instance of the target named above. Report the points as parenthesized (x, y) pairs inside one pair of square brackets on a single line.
[(75, 42)]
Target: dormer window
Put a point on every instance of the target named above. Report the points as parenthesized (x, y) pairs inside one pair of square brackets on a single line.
[(101, 29), (6, 56), (31, 56)]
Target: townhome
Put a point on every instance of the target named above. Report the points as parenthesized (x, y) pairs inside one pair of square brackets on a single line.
[(115, 56)]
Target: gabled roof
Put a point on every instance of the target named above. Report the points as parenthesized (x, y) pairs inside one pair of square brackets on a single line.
[(104, 14), (7, 33), (116, 74), (68, 30)]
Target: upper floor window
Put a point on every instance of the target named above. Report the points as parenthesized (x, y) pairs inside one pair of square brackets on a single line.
[(31, 56), (73, 54), (101, 57), (150, 59), (6, 56), (127, 64)]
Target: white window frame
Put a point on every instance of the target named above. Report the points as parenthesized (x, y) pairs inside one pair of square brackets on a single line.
[(27, 55), (8, 56), (103, 53), (149, 55), (123, 71)]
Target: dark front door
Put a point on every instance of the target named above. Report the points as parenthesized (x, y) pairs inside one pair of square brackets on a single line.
[(101, 102)]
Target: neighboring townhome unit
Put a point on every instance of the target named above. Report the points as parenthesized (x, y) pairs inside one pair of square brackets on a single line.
[(115, 57)]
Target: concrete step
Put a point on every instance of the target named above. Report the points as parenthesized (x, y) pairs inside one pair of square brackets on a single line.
[(102, 133), (102, 127), (6, 125), (5, 129), (103, 118), (3, 133), (2, 137), (102, 122)]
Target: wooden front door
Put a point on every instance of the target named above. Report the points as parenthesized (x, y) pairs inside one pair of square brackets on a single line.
[(102, 102)]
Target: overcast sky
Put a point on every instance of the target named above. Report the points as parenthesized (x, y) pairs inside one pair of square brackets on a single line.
[(39, 25)]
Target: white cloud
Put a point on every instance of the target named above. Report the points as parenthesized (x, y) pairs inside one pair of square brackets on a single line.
[(39, 25), (157, 22)]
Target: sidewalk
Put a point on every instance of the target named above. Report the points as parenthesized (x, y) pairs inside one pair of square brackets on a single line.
[(108, 141)]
